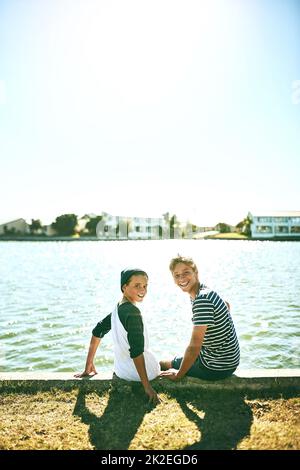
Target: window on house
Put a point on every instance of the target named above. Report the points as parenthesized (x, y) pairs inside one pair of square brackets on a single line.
[(264, 219), (264, 229), (281, 229)]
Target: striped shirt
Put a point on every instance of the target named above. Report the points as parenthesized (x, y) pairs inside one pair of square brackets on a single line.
[(220, 348)]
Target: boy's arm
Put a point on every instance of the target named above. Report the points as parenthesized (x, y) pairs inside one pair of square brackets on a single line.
[(89, 365), (190, 355), (139, 363)]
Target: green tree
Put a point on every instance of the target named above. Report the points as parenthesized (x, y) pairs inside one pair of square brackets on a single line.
[(223, 228), (173, 222), (245, 226), (9, 231), (35, 226), (92, 224), (65, 224)]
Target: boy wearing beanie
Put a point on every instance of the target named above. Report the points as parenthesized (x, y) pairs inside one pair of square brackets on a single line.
[(133, 359)]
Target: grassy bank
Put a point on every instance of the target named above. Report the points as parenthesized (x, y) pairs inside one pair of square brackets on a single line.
[(240, 236), (119, 418)]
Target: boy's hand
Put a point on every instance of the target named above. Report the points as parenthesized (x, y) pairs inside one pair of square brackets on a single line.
[(153, 397), (170, 374), (89, 371)]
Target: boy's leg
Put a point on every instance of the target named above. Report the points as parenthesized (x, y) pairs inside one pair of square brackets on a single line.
[(201, 372)]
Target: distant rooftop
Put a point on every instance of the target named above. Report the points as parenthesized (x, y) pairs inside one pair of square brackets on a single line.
[(266, 213), (11, 221)]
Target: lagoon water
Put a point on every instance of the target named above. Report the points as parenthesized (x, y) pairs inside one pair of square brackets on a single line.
[(53, 293)]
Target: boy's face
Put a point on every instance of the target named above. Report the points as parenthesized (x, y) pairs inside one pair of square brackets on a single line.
[(185, 277), (136, 289)]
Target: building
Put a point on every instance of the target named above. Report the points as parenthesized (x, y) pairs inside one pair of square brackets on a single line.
[(15, 227), (144, 228), (112, 227), (49, 230), (277, 224), (134, 228)]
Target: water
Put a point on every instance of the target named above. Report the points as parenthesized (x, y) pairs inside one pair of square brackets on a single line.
[(53, 293)]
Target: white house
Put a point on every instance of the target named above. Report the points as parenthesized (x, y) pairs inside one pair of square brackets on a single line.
[(135, 228), (273, 224), (144, 228), (112, 227), (18, 227)]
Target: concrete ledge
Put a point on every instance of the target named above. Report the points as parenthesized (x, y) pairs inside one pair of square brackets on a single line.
[(247, 379)]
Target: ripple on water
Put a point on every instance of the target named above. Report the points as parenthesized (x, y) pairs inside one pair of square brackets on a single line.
[(66, 369), (54, 325), (33, 359), (28, 331), (8, 335), (56, 336), (22, 342), (263, 333), (42, 365), (75, 347), (246, 337), (104, 360)]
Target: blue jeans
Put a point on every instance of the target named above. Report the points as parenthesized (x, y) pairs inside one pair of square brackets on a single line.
[(199, 371)]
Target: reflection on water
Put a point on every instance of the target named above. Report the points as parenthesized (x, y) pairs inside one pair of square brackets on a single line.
[(52, 294)]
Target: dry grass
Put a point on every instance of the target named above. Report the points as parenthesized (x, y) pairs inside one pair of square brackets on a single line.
[(121, 419)]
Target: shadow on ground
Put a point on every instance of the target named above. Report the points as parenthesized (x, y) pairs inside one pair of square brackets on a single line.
[(225, 419), (222, 418), (118, 424)]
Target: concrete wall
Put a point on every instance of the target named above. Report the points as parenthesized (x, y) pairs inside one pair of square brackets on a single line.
[(251, 379)]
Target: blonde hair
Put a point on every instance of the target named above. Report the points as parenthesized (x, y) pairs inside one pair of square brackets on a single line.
[(182, 259)]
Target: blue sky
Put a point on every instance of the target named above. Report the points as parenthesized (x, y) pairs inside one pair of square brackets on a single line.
[(139, 107)]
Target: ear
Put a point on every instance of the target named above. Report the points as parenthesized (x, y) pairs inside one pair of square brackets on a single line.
[(124, 286)]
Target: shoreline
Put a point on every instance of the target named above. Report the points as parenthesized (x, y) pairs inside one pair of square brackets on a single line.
[(95, 239)]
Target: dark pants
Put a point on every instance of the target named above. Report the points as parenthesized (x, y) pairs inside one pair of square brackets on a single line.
[(199, 371)]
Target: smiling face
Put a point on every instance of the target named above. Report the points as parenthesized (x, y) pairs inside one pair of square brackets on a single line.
[(186, 278), (136, 288)]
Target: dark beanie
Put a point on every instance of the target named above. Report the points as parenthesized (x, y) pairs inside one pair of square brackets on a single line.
[(128, 272)]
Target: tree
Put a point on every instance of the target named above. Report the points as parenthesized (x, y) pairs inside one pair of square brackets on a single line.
[(124, 227), (65, 224), (245, 226), (35, 226), (223, 228), (92, 224), (173, 222), (9, 231)]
